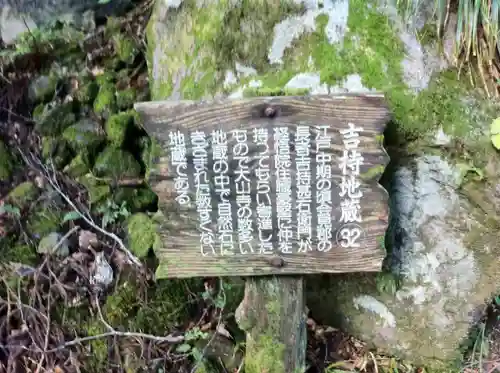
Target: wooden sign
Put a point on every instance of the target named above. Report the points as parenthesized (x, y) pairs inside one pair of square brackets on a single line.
[(270, 185)]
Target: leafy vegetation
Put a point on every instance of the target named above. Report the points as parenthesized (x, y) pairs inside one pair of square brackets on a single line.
[(477, 30)]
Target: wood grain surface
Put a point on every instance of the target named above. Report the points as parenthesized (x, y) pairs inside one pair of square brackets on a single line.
[(181, 255)]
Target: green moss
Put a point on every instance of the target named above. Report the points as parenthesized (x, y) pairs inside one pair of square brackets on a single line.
[(268, 92), (19, 253), (209, 40), (113, 163), (52, 121), (119, 125), (6, 162), (97, 192), (125, 98), (44, 220), (142, 234), (150, 151), (269, 357), (23, 194), (98, 360), (105, 102), (149, 309), (83, 135), (105, 79), (56, 151), (373, 173), (77, 167), (88, 91), (125, 48), (136, 199)]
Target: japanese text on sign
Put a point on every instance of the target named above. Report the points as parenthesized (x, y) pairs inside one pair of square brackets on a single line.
[(264, 206), (304, 193), (350, 192), (264, 203)]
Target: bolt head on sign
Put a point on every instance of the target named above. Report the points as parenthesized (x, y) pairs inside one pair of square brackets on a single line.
[(270, 185)]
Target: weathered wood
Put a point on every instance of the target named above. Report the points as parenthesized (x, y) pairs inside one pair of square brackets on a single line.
[(272, 314), (181, 254)]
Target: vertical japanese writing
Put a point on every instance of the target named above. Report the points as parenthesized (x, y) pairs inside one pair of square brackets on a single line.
[(350, 191), (264, 206), (179, 162), (324, 188), (203, 199), (282, 162), (222, 190), (304, 195), (243, 189)]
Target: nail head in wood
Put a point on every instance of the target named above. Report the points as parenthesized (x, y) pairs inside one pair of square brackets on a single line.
[(270, 111), (277, 261)]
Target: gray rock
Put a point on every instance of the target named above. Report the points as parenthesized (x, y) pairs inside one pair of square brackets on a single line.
[(17, 16), (445, 275)]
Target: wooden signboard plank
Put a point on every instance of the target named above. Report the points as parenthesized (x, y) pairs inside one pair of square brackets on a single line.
[(270, 185)]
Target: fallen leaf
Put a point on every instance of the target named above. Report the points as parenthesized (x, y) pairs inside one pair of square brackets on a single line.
[(221, 329)]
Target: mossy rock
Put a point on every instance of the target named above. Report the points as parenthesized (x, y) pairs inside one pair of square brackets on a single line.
[(84, 134), (141, 233), (56, 150), (44, 88), (22, 195), (96, 190), (115, 163), (78, 166), (52, 121), (88, 91), (105, 102), (118, 126), (137, 199), (6, 162), (126, 98), (125, 48), (150, 151)]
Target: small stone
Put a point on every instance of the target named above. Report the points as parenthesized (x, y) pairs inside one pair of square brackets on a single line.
[(441, 138), (87, 239)]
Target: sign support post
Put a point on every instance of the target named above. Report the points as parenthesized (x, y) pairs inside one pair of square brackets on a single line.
[(272, 188)]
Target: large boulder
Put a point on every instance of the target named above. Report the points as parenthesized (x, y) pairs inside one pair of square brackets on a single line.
[(442, 254), (19, 16)]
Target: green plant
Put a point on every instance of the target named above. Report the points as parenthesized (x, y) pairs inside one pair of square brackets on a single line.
[(111, 212), (477, 32), (6, 209)]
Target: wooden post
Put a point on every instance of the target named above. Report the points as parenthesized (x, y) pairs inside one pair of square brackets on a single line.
[(271, 188), (272, 314)]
